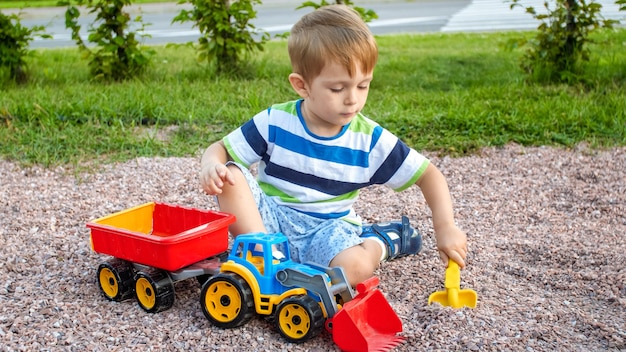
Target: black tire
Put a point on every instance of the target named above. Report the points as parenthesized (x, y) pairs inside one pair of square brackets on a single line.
[(115, 278), (202, 279), (154, 290), (227, 300), (299, 318), (223, 258)]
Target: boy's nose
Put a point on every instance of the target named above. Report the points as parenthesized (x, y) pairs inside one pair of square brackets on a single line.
[(351, 97)]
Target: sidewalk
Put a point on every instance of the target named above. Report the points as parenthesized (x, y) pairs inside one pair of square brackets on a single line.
[(49, 12), (497, 15)]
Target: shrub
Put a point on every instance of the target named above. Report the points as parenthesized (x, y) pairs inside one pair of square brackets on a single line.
[(14, 42), (560, 46), (117, 54), (227, 35)]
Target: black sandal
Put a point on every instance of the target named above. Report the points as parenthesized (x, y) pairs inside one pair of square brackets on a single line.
[(399, 237)]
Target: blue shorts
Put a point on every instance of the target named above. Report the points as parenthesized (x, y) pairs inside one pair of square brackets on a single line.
[(311, 239)]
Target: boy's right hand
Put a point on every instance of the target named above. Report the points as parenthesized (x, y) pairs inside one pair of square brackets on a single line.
[(213, 176)]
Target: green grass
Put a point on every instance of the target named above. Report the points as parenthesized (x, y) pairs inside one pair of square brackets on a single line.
[(452, 93)]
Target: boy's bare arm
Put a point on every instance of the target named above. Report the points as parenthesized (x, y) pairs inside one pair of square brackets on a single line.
[(451, 241), (213, 172)]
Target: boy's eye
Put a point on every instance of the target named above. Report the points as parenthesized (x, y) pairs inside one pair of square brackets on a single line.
[(336, 90), (363, 87)]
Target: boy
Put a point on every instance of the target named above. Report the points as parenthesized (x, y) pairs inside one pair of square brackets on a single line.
[(315, 153)]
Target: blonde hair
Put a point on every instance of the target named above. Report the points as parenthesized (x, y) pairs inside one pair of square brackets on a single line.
[(332, 33)]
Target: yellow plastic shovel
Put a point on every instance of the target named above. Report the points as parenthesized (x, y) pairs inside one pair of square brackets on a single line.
[(453, 296)]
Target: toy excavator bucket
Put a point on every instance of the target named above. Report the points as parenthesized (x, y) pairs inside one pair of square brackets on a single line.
[(367, 322)]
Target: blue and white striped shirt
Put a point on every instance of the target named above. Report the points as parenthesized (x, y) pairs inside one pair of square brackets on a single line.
[(321, 176)]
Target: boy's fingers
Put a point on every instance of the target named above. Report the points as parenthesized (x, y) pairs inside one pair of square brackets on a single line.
[(224, 175), (454, 256), (229, 177)]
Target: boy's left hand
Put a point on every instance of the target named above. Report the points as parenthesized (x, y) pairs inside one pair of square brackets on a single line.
[(452, 244)]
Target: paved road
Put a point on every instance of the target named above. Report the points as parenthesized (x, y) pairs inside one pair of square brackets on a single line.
[(496, 15), (277, 16)]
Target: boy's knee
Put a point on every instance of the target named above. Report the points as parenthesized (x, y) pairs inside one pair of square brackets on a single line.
[(360, 273), (358, 267)]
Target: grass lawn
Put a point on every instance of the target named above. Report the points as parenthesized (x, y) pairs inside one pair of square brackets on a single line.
[(452, 93)]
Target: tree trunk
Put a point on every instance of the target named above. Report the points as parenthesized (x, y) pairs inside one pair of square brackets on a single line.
[(570, 43)]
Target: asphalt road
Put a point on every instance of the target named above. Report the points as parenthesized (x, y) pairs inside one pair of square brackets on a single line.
[(277, 16)]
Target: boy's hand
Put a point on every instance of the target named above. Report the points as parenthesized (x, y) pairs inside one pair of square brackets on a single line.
[(452, 244), (213, 176)]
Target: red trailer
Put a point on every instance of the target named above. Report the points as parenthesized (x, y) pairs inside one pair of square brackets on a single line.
[(155, 245)]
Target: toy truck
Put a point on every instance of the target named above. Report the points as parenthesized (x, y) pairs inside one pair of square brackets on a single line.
[(155, 245), (301, 299)]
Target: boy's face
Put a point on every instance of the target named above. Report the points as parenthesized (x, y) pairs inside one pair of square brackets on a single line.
[(333, 98)]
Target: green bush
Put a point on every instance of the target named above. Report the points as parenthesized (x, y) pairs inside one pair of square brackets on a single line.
[(227, 35), (117, 54), (560, 46), (14, 41)]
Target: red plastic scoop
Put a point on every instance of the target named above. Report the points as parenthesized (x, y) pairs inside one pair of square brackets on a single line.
[(367, 323)]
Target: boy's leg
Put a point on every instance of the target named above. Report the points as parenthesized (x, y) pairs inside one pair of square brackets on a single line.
[(359, 262), (382, 242), (238, 200)]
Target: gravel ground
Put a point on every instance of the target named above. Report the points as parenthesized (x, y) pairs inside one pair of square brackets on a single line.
[(547, 238)]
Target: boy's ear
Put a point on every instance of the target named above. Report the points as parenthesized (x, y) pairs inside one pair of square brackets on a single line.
[(299, 84)]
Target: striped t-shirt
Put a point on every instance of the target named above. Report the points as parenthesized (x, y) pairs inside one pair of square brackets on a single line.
[(321, 176)]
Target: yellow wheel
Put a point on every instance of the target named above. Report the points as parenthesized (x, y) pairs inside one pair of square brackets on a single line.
[(115, 279), (227, 300), (154, 290), (299, 318), (145, 293), (108, 282)]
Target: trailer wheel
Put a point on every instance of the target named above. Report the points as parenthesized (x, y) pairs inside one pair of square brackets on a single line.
[(299, 318), (115, 279), (155, 290), (227, 300)]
